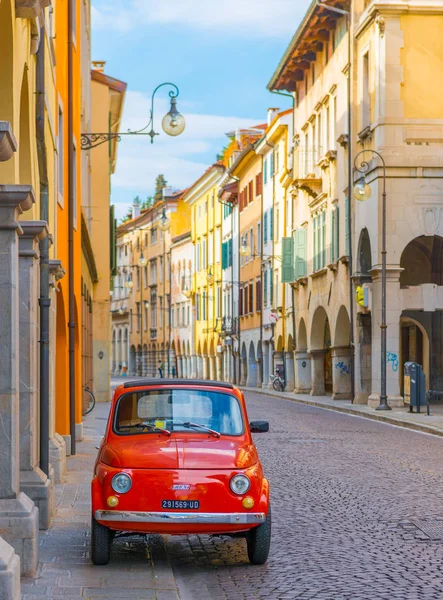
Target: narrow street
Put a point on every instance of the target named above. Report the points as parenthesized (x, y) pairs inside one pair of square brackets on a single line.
[(357, 510)]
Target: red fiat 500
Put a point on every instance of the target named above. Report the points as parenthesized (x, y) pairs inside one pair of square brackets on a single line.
[(177, 457)]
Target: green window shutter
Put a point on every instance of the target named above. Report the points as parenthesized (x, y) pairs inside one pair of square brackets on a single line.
[(271, 224), (332, 257), (347, 227), (265, 286), (300, 253), (314, 265), (231, 254), (271, 286), (224, 255), (287, 272), (265, 227), (323, 239), (336, 233), (271, 165), (265, 170)]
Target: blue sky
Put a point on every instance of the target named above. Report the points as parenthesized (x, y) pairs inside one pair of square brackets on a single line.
[(220, 53)]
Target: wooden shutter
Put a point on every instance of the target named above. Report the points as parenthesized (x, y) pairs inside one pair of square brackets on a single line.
[(251, 298), (265, 227), (251, 190), (245, 300), (258, 295), (271, 224), (240, 302), (300, 253), (287, 260)]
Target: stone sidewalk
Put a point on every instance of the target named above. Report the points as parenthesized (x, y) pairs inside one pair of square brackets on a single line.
[(139, 568), (401, 417)]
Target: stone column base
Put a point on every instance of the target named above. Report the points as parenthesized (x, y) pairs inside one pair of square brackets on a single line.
[(361, 398), (57, 457), (299, 390), (67, 440), (79, 432), (9, 572), (19, 528), (393, 401), (37, 486)]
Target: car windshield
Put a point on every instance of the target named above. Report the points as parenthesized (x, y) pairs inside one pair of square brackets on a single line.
[(166, 411)]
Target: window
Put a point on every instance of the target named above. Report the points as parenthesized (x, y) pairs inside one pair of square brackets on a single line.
[(204, 263), (271, 165), (130, 320), (277, 159), (265, 171), (199, 211), (212, 199), (265, 228), (271, 224), (277, 290), (319, 241), (160, 278), (211, 248), (328, 126), (240, 302), (161, 311), (197, 306), (138, 279), (258, 184), (146, 318), (265, 287), (246, 299), (219, 302), (258, 295), (183, 315), (172, 318), (198, 256), (154, 235), (258, 238), (206, 207), (334, 234), (61, 152), (251, 190), (251, 298), (217, 244), (251, 238), (204, 306), (137, 306), (188, 321), (153, 306), (271, 286), (154, 272)]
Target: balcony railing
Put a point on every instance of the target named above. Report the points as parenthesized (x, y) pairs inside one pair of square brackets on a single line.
[(305, 162), (229, 325)]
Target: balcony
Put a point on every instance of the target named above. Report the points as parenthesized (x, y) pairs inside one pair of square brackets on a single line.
[(229, 325), (307, 171), (153, 333)]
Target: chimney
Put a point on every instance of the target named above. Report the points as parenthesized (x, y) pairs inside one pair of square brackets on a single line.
[(136, 208), (167, 192), (98, 65), (271, 114)]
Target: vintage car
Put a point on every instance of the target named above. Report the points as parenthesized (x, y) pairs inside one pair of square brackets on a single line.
[(178, 458)]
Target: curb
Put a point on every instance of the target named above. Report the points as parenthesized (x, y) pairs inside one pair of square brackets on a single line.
[(350, 411)]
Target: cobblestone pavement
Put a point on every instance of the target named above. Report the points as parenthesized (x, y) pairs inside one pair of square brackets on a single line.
[(357, 510)]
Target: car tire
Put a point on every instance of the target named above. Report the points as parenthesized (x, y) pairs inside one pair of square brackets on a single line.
[(259, 542), (101, 541)]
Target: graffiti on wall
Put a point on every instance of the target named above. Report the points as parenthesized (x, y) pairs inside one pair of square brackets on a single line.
[(391, 357), (343, 368)]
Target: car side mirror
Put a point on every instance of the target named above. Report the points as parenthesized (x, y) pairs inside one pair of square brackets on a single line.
[(259, 426)]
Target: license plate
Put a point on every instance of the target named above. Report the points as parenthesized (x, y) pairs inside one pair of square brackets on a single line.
[(181, 504)]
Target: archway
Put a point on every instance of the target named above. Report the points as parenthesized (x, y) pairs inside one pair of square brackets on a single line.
[(132, 361), (320, 351), (252, 377), (244, 365), (341, 357), (24, 145), (302, 361), (414, 347), (422, 262), (61, 365)]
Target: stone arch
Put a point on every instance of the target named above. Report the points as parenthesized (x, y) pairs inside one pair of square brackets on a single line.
[(279, 344), (321, 355), (290, 347), (24, 141), (364, 256), (415, 345), (342, 335), (302, 338), (422, 261)]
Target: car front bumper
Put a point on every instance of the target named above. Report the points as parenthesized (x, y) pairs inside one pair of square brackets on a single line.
[(122, 516)]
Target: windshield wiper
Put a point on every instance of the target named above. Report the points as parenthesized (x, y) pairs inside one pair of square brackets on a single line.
[(198, 426), (153, 427)]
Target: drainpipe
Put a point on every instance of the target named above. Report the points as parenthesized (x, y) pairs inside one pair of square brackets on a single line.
[(261, 273), (71, 200), (169, 315), (44, 300)]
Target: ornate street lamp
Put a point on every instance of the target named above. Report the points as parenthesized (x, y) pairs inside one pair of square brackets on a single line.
[(362, 192), (173, 124)]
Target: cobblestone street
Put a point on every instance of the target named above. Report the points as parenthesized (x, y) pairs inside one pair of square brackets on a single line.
[(357, 511)]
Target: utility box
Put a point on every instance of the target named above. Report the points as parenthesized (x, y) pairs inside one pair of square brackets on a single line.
[(414, 386)]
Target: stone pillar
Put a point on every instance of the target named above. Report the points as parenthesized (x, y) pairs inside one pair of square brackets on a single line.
[(33, 482), (205, 367), (192, 367), (138, 362), (265, 366), (213, 372), (393, 314), (145, 365), (289, 375), (18, 514), (219, 366), (341, 373), (303, 372), (243, 370), (363, 358), (57, 444), (317, 372)]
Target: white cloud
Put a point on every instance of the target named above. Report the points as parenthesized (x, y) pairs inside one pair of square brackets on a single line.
[(251, 18), (182, 160)]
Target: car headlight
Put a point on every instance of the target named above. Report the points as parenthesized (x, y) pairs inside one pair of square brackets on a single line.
[(121, 483), (240, 484)]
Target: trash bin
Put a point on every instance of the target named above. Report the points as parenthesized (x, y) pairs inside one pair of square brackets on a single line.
[(414, 386)]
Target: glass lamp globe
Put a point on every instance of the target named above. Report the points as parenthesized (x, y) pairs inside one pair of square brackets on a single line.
[(164, 223), (121, 311), (147, 304), (362, 190), (142, 261), (173, 122), (130, 284), (245, 250)]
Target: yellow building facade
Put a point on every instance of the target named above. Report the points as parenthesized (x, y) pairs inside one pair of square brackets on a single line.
[(206, 219)]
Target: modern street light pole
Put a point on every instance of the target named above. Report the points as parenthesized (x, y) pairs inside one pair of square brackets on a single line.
[(362, 192)]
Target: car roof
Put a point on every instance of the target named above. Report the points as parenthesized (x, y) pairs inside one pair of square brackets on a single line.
[(193, 383)]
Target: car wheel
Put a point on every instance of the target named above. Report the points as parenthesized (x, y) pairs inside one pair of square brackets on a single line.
[(101, 540), (259, 541), (277, 385)]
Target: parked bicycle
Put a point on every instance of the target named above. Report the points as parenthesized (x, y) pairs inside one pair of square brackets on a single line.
[(278, 382), (89, 401)]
